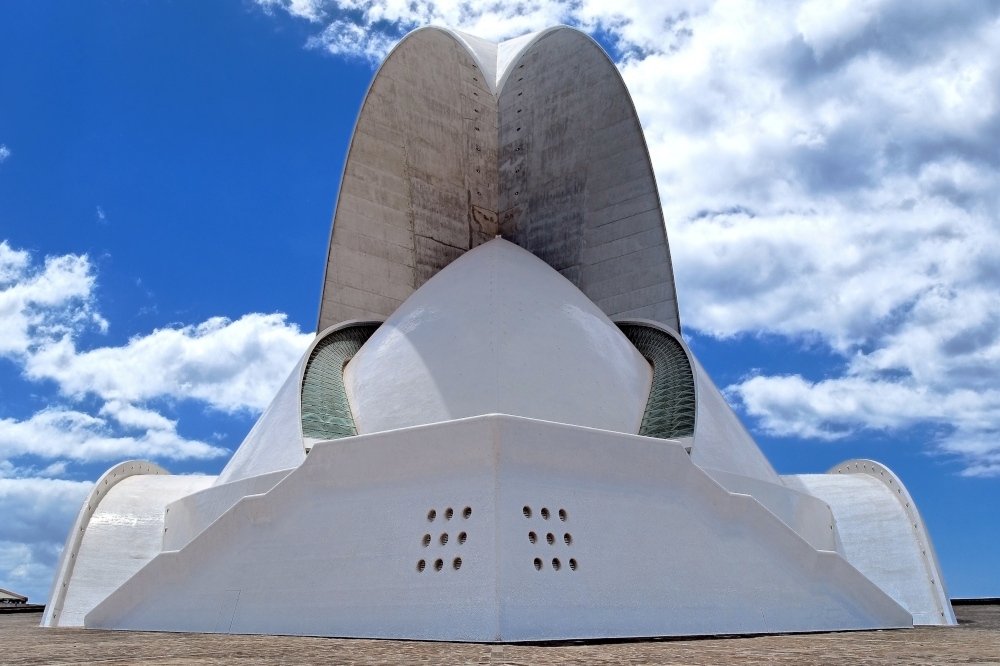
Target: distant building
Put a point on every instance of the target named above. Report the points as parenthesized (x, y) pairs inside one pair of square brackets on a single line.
[(8, 598), (498, 433)]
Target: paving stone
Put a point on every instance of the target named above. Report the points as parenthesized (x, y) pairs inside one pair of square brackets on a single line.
[(976, 640)]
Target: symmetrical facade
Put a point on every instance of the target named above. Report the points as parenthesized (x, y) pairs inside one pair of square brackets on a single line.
[(498, 433)]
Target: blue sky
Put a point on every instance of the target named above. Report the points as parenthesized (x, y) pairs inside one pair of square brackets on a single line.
[(829, 172)]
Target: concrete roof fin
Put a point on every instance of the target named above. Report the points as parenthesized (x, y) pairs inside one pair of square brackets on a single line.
[(483, 51)]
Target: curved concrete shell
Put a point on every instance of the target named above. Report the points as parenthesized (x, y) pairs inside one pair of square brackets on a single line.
[(880, 532), (498, 331), (118, 531), (472, 449), (460, 140)]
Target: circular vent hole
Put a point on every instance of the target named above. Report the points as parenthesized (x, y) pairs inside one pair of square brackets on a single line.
[(457, 563), (448, 513), (572, 564), (526, 511), (532, 537), (562, 515), (567, 539), (538, 564), (421, 565), (467, 512), (556, 564), (431, 515), (545, 514), (427, 540), (462, 536), (444, 539), (438, 564), (551, 539)]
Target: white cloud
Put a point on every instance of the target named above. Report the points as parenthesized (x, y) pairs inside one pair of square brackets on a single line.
[(4, 153), (829, 173), (64, 433), (230, 365), (227, 365), (37, 514), (38, 305)]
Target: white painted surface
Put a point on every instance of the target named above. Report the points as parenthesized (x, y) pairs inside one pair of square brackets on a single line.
[(67, 559), (810, 517), (498, 331), (660, 548), (186, 517), (125, 531), (275, 441), (721, 440), (883, 539)]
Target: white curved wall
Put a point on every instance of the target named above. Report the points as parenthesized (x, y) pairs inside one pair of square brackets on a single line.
[(880, 539), (124, 533), (720, 439), (498, 331), (275, 441)]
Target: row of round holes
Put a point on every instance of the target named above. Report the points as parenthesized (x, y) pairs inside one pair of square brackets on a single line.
[(443, 539), (449, 513), (556, 564), (545, 513), (456, 564), (551, 539)]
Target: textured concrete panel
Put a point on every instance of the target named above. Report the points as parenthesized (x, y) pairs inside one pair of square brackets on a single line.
[(425, 149), (460, 140)]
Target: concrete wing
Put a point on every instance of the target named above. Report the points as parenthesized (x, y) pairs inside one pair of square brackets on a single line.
[(460, 140)]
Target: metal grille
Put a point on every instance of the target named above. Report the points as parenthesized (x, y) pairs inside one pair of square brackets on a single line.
[(326, 414), (670, 409)]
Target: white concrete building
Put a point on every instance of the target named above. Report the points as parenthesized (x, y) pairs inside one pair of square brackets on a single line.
[(498, 433)]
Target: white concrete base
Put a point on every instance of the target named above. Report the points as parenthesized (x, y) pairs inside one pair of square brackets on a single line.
[(659, 547)]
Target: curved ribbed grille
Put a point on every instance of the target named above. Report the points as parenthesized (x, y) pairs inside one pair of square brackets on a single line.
[(670, 409), (326, 414)]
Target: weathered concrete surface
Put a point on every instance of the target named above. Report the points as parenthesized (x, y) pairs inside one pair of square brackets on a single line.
[(553, 160), (419, 186), (976, 640), (576, 185)]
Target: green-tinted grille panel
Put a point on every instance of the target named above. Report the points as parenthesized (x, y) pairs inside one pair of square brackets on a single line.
[(326, 414), (670, 409)]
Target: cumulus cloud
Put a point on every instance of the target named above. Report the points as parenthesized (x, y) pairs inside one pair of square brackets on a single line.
[(4, 153), (829, 173), (227, 365), (37, 514)]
